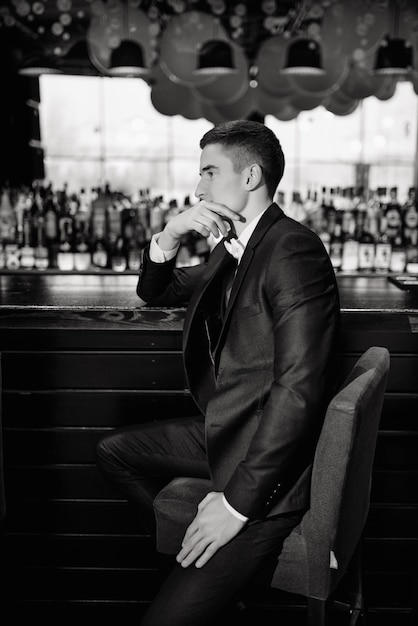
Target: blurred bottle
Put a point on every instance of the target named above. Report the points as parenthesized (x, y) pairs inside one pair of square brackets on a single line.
[(367, 244), (383, 249), (98, 224), (82, 255), (14, 241), (296, 209), (65, 256), (113, 220), (41, 249), (398, 256), (350, 247), (144, 211), (7, 218), (393, 215), (51, 226), (99, 250), (27, 250), (158, 209), (118, 260), (411, 264), (410, 215), (410, 232), (336, 246)]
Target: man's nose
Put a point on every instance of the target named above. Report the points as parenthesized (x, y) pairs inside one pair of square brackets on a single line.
[(199, 191)]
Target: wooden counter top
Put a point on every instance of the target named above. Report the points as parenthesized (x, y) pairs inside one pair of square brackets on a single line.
[(117, 292), (109, 302)]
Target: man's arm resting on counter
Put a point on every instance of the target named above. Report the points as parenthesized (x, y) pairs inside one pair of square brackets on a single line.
[(157, 255)]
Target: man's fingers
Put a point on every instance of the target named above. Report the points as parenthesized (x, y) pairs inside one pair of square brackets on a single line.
[(223, 210), (190, 553), (191, 530), (208, 554)]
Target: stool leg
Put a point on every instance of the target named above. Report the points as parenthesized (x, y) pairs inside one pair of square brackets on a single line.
[(356, 591), (316, 612)]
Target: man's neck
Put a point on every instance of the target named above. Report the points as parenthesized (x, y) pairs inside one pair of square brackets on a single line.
[(250, 213)]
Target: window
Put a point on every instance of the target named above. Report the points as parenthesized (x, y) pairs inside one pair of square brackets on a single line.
[(106, 130)]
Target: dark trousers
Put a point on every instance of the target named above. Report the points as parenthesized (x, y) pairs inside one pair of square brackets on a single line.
[(140, 461)]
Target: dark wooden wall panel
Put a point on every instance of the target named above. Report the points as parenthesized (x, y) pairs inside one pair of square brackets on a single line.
[(93, 370)]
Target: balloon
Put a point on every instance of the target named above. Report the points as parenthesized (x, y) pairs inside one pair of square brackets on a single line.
[(339, 107), (240, 109), (267, 103), (306, 103), (211, 113), (360, 82), (270, 59), (172, 99), (387, 89), (349, 25), (287, 112), (106, 31)]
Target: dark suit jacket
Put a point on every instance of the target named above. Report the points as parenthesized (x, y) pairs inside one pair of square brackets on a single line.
[(262, 375)]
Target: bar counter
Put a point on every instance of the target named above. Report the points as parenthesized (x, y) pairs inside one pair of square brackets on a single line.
[(64, 291), (79, 357)]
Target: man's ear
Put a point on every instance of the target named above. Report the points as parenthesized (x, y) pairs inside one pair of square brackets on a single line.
[(254, 176)]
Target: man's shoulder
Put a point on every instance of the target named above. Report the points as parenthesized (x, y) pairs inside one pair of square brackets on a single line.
[(287, 225)]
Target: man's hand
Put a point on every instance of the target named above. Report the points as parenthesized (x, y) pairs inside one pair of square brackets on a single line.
[(204, 217), (212, 528)]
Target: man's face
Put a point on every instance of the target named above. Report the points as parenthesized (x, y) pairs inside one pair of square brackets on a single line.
[(219, 181)]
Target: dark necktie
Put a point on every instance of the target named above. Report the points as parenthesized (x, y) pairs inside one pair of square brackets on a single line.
[(226, 282)]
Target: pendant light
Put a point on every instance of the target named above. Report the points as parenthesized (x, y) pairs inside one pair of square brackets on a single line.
[(37, 63), (215, 56), (304, 58), (127, 60), (395, 55)]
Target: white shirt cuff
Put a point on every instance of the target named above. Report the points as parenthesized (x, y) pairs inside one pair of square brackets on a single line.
[(233, 511), (158, 255)]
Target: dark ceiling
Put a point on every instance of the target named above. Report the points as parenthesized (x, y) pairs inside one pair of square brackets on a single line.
[(59, 27)]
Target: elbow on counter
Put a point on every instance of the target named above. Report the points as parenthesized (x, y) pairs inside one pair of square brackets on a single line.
[(142, 302)]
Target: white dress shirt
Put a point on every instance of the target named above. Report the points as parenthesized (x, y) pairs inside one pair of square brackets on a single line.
[(236, 247)]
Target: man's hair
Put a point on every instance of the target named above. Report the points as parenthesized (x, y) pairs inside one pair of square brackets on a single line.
[(248, 142)]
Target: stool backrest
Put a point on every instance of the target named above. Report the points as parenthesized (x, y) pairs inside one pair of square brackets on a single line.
[(341, 480)]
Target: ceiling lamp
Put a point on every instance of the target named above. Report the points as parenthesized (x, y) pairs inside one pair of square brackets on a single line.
[(303, 58), (36, 64), (394, 57), (128, 60), (215, 59)]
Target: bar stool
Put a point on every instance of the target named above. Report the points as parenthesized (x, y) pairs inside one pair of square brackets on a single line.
[(318, 552)]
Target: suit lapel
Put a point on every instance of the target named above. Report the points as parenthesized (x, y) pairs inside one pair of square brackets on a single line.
[(219, 259), (269, 217)]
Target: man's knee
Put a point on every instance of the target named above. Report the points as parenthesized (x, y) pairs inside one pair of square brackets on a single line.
[(107, 452)]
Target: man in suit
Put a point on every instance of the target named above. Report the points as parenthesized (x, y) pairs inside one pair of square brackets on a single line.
[(259, 343)]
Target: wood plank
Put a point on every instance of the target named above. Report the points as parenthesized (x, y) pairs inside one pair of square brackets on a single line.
[(102, 408), (93, 370), (63, 444), (403, 372), (85, 481)]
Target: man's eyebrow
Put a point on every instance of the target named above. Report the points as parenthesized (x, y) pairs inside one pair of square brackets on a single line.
[(209, 167)]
